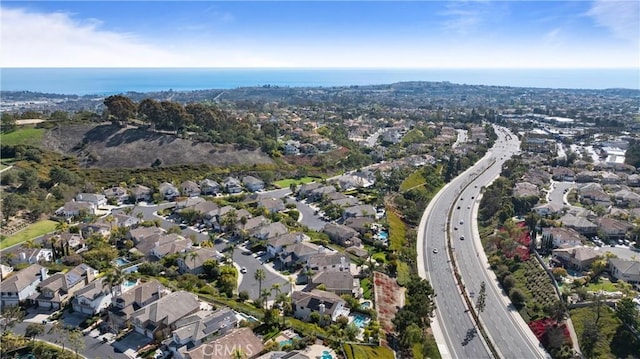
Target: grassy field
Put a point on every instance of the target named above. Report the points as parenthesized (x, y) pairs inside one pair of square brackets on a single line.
[(414, 179), (365, 284), (24, 136), (603, 284), (32, 231), (354, 351), (614, 341), (285, 183), (403, 273), (397, 231)]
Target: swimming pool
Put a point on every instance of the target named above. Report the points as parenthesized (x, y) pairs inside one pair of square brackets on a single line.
[(365, 304), (383, 235), (360, 320), (121, 261), (326, 355), (248, 318)]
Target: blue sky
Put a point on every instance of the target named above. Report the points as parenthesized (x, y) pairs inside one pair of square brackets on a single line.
[(398, 34)]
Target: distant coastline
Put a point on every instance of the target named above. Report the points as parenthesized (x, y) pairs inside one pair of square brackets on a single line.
[(86, 81)]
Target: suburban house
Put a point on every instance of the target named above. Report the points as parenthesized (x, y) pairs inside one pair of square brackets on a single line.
[(362, 225), (270, 230), (124, 220), (100, 228), (118, 194), (305, 190), (137, 235), (337, 282), (92, 298), (525, 189), (549, 209), (209, 187), (161, 316), (342, 235), (240, 340), (628, 271), (193, 260), (609, 178), (168, 191), (170, 244), (73, 209), (21, 285), (562, 237), (633, 180), (578, 258), (253, 184), (329, 262), (276, 244), (318, 301), (364, 210), (126, 303), (563, 174), (318, 194), (200, 327), (580, 224), (56, 290), (97, 199), (595, 197), (626, 198), (5, 271), (586, 176), (232, 185), (295, 255), (189, 189), (73, 241), (252, 224), (29, 255), (613, 228), (272, 205), (140, 193)]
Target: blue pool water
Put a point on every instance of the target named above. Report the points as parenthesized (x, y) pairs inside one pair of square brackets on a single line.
[(326, 355), (286, 342), (383, 235), (121, 261), (360, 320), (365, 305)]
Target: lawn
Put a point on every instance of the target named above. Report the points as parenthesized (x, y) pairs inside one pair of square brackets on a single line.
[(414, 179), (365, 284), (403, 273), (602, 284), (23, 136), (285, 183), (614, 341), (354, 351), (32, 231), (397, 231)]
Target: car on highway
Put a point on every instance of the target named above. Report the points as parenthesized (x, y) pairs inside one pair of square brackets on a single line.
[(461, 221), (435, 250), (462, 238), (243, 270)]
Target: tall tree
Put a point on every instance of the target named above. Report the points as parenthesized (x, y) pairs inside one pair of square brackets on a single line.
[(121, 108), (34, 330), (113, 279), (259, 275), (482, 296)]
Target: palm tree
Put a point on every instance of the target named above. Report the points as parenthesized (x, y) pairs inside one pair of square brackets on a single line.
[(259, 275), (113, 279), (264, 294), (62, 226), (193, 256)]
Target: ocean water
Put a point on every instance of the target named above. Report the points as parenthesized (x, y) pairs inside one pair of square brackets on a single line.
[(82, 81)]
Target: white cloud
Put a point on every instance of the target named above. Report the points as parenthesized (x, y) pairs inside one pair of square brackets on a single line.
[(56, 40), (622, 18), (30, 39)]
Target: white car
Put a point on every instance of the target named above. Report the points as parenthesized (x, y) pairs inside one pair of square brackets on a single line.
[(435, 250)]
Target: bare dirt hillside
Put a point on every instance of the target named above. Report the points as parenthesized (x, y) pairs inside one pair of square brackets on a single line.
[(110, 146)]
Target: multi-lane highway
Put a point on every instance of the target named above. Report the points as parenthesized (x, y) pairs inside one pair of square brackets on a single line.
[(507, 331)]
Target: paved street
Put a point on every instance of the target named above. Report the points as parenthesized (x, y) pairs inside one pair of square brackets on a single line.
[(93, 347), (505, 327)]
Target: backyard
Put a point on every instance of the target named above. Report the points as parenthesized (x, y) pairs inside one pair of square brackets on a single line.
[(613, 339), (32, 231), (24, 136)]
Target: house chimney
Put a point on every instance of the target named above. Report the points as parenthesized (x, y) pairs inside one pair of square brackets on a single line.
[(321, 308), (43, 273), (159, 291), (343, 264)]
